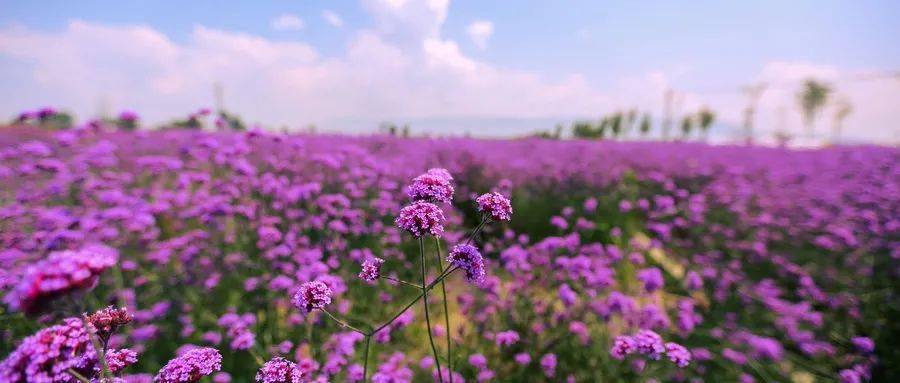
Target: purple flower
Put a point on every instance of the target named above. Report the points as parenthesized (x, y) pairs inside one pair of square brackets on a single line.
[(431, 187), (279, 370), (649, 343), (46, 355), (567, 295), (312, 295), (863, 344), (62, 272), (440, 172), (548, 364), (506, 338), (652, 278), (678, 354), (522, 358), (478, 361), (468, 258), (495, 205), (190, 366), (371, 269), (623, 346), (420, 218)]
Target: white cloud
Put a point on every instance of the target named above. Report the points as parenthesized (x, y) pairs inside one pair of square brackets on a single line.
[(287, 22), (402, 69), (332, 18), (480, 31)]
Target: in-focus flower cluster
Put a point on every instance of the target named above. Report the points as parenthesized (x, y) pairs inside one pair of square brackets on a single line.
[(279, 370), (433, 186), (468, 258), (421, 218), (190, 366), (371, 269), (311, 296), (495, 205)]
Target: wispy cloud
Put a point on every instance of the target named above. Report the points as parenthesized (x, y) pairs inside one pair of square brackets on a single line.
[(480, 32), (332, 18), (287, 22)]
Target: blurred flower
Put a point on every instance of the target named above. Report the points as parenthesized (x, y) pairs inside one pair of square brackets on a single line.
[(190, 366)]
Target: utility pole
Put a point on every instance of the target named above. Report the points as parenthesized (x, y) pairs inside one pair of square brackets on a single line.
[(753, 92)]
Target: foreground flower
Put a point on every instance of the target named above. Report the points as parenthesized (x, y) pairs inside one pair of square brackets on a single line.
[(649, 343), (431, 187), (46, 355), (279, 370), (371, 269), (420, 218), (312, 295), (469, 259), (190, 366), (495, 205), (60, 273), (106, 321)]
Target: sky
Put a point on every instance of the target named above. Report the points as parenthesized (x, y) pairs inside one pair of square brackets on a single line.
[(486, 68)]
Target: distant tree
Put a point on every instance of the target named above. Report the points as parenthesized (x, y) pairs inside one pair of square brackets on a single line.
[(630, 121), (687, 125), (705, 118), (228, 121), (584, 129), (812, 98), (842, 110), (615, 124), (602, 128), (646, 125)]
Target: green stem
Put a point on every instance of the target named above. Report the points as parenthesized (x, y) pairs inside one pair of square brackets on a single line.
[(437, 362), (418, 286), (366, 359), (342, 323), (446, 312), (78, 376)]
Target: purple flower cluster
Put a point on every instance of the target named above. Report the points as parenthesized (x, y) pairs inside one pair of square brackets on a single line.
[(238, 328), (311, 296), (279, 370), (190, 366), (495, 205), (62, 272), (433, 186), (371, 269), (468, 258), (649, 344), (421, 218)]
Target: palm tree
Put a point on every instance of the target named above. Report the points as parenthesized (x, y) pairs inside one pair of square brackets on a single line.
[(705, 118), (843, 109), (687, 124), (645, 125), (811, 98)]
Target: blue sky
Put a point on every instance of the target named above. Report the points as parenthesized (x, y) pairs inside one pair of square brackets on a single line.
[(701, 48)]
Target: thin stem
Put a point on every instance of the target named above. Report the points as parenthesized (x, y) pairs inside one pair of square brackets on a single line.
[(416, 285), (342, 323), (101, 353), (414, 301), (437, 242), (476, 231), (437, 362), (78, 376), (366, 358)]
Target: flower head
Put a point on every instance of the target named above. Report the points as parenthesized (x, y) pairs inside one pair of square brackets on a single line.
[(468, 258), (60, 273), (371, 269), (623, 346), (420, 218), (312, 295), (440, 172), (106, 321), (190, 366), (652, 279), (649, 343), (431, 187), (678, 354), (495, 205), (279, 370), (46, 355)]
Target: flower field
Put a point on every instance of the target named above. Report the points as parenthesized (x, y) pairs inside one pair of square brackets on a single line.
[(185, 256)]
